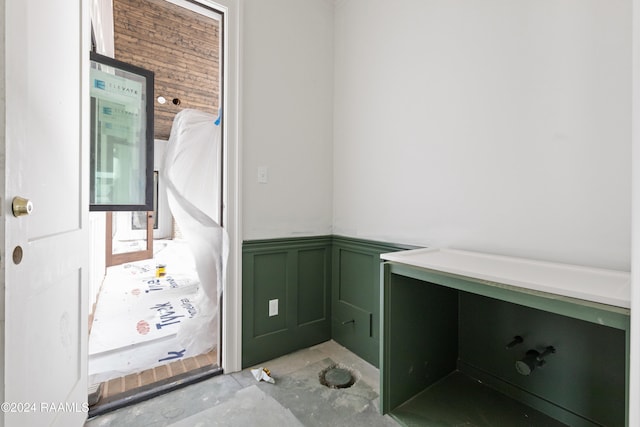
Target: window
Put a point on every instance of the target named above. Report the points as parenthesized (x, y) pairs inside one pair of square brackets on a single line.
[(121, 168)]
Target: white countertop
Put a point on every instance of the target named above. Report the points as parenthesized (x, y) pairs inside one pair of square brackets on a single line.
[(591, 284)]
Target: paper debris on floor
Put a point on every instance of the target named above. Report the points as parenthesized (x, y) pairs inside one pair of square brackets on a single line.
[(263, 374)]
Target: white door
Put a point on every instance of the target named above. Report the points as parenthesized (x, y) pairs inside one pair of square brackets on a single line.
[(46, 140)]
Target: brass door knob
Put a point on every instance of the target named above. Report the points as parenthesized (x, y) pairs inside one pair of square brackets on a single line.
[(22, 206)]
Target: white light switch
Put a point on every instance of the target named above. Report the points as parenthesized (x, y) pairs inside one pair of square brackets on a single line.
[(273, 307), (263, 176)]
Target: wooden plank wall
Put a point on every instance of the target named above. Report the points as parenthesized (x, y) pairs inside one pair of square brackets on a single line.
[(181, 47)]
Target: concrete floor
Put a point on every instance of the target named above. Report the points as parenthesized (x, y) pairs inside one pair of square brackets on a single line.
[(296, 399)]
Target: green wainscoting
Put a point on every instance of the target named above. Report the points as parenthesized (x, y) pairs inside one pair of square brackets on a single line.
[(297, 273), (355, 294), (327, 287)]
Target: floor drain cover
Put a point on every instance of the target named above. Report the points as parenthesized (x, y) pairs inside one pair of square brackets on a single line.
[(337, 377)]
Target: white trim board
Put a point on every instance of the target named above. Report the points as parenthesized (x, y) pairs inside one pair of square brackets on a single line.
[(634, 350)]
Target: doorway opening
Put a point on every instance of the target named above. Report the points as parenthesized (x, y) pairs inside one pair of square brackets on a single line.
[(146, 254)]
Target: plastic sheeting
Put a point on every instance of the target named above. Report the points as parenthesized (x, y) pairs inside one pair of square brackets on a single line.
[(142, 321), (138, 315), (191, 171)]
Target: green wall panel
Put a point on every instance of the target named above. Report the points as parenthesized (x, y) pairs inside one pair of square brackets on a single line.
[(270, 282), (355, 301), (313, 292), (356, 278), (297, 272)]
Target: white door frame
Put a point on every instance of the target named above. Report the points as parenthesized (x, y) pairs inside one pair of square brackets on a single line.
[(232, 218), (231, 317), (634, 357), (231, 344)]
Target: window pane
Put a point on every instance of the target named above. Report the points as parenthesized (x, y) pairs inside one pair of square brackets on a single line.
[(121, 140)]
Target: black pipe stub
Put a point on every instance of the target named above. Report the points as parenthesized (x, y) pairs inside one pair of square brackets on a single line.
[(336, 376)]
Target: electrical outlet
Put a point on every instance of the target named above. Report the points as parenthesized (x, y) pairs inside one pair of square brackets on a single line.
[(273, 307), (263, 175)]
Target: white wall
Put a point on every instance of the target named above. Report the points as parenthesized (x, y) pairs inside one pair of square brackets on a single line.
[(287, 103), (500, 126)]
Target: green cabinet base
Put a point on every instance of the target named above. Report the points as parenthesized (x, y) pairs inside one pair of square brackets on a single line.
[(436, 324)]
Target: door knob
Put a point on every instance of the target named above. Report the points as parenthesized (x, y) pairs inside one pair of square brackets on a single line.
[(22, 206)]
